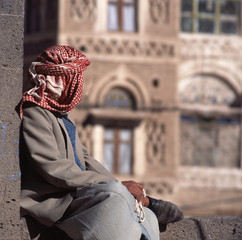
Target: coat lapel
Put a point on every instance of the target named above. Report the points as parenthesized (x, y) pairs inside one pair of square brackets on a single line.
[(70, 151)]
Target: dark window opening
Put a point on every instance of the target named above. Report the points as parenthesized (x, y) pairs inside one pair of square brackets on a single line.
[(211, 16)]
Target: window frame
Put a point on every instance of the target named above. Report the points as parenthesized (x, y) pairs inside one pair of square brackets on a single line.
[(117, 142), (217, 17), (120, 5)]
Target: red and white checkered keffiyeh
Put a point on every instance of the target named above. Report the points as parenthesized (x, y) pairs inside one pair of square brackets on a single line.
[(57, 80)]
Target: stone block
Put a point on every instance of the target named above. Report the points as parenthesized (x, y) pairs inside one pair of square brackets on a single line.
[(10, 92), (15, 7), (9, 222), (24, 233), (216, 228), (11, 41), (9, 150), (11, 52)]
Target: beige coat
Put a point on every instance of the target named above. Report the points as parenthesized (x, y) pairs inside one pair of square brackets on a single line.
[(49, 174)]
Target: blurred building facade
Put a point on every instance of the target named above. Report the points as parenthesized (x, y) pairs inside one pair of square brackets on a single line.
[(162, 97)]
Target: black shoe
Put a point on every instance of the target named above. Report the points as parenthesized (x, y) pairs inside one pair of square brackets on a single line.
[(166, 212), (143, 237)]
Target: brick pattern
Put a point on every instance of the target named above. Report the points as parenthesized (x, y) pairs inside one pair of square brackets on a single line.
[(155, 142), (158, 187), (212, 47), (123, 47), (82, 10), (159, 11), (85, 136)]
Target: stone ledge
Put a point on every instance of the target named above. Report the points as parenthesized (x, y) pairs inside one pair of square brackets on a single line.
[(204, 228)]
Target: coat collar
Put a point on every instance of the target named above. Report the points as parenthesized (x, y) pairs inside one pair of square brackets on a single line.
[(66, 116)]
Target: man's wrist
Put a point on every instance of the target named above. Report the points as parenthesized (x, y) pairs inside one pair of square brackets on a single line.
[(146, 202)]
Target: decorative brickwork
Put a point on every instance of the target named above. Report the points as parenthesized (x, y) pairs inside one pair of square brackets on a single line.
[(219, 56), (207, 90), (229, 151), (156, 142), (85, 136), (218, 179), (213, 47), (82, 10), (159, 187), (160, 11), (123, 47), (210, 143)]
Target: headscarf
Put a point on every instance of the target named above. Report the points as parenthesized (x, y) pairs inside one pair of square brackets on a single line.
[(56, 79)]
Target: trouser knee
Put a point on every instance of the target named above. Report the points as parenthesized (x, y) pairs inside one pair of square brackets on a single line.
[(115, 187)]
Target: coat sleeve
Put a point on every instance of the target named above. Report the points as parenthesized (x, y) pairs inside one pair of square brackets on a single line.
[(45, 157)]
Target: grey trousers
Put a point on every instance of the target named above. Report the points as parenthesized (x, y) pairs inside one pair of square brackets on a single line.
[(106, 211)]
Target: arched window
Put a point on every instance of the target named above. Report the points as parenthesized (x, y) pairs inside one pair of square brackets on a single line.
[(209, 130), (206, 90), (118, 139), (119, 98)]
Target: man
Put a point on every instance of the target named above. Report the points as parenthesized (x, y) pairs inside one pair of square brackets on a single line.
[(61, 184)]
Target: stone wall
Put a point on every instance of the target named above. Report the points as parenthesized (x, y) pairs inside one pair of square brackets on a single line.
[(220, 228), (11, 55)]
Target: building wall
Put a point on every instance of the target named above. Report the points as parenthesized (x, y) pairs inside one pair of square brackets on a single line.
[(158, 52), (144, 63), (11, 44), (40, 29), (212, 187)]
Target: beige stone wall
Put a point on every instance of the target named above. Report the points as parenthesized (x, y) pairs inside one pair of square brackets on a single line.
[(136, 77), (212, 190), (219, 55), (159, 19), (77, 16)]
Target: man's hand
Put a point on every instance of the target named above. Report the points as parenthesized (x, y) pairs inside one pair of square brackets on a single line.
[(136, 190)]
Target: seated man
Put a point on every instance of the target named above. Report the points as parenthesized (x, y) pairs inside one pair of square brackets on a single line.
[(61, 184)]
